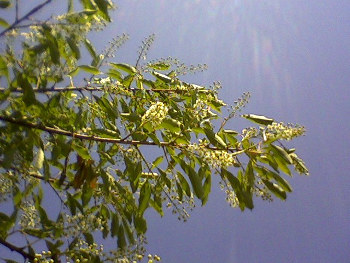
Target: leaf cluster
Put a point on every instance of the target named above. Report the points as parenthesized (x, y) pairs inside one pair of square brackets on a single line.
[(87, 147)]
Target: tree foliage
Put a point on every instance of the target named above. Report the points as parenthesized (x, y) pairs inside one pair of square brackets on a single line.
[(81, 163)]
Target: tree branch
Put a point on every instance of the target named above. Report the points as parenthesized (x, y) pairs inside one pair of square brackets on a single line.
[(26, 16), (103, 139), (16, 249), (89, 88)]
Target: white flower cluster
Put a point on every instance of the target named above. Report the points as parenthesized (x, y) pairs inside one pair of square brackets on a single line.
[(43, 257), (5, 187), (86, 249), (133, 154), (29, 217), (83, 223), (283, 131), (155, 114), (250, 132), (215, 158), (231, 197)]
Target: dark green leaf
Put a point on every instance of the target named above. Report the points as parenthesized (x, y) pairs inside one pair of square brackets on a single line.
[(282, 153), (184, 184), (275, 189), (145, 195), (140, 225), (73, 46), (121, 238), (114, 225), (82, 151), (5, 4), (28, 92)]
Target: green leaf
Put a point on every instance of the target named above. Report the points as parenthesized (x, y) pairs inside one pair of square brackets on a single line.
[(5, 4), (157, 161), (115, 74), (184, 184), (220, 140), (53, 46), (259, 119), (4, 23), (121, 238), (82, 151), (140, 225), (125, 67), (162, 77), (28, 92), (145, 195), (90, 48), (159, 66), (3, 68), (171, 125), (263, 171), (282, 153), (206, 189), (195, 180), (90, 69), (70, 8), (275, 189), (103, 6), (114, 225), (73, 46)]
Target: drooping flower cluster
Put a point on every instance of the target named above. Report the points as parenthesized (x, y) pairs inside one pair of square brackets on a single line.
[(43, 257), (215, 158), (29, 217), (84, 223), (5, 187), (299, 164), (85, 249), (283, 131), (155, 114)]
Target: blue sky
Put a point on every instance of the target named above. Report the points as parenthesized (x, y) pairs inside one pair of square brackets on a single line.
[(294, 58)]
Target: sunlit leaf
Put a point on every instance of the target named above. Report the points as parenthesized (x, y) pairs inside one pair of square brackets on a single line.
[(90, 69), (259, 119), (125, 67), (4, 23)]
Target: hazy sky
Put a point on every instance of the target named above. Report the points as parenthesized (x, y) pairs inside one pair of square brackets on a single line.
[(294, 58)]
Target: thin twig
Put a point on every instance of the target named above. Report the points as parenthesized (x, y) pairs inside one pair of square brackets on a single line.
[(19, 250), (16, 11), (26, 16), (89, 88)]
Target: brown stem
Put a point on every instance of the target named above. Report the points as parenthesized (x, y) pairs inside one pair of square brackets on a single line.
[(103, 139), (89, 88), (16, 249)]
